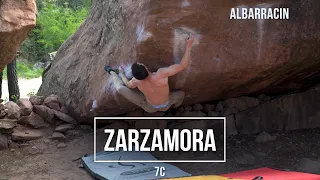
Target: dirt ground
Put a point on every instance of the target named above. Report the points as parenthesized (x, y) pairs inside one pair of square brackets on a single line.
[(26, 86), (295, 150)]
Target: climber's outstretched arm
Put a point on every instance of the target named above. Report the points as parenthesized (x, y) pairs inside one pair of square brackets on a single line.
[(129, 84), (174, 69)]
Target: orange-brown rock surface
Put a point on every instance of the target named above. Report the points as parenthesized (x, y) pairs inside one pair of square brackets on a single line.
[(230, 57), (17, 18)]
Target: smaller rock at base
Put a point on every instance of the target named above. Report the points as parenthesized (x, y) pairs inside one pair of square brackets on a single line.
[(267, 98), (169, 114), (231, 126), (86, 127), (47, 140), (58, 122), (3, 112), (64, 117), (244, 102), (155, 114), (3, 142), (24, 133), (231, 102), (36, 100), (261, 97), (219, 107), (6, 131), (13, 110), (177, 114), (181, 109), (7, 125), (74, 133), (197, 107), (207, 108), (193, 114), (25, 106), (23, 145), (58, 136), (213, 114), (64, 127), (265, 137), (251, 101), (61, 145), (2, 106), (228, 111), (135, 113), (52, 102), (188, 108), (12, 144), (64, 110), (34, 120), (46, 113)]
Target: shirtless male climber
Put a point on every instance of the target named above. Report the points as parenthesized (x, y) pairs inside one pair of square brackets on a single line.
[(155, 94)]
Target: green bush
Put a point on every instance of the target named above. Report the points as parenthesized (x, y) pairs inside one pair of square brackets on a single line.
[(25, 71), (57, 20), (58, 24)]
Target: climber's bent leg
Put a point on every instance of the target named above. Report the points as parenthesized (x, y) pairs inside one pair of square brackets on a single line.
[(132, 96), (176, 98), (135, 97)]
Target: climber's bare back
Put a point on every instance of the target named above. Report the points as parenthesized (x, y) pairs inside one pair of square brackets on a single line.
[(155, 88)]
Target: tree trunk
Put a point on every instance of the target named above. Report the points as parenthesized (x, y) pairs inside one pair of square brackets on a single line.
[(1, 74), (13, 87)]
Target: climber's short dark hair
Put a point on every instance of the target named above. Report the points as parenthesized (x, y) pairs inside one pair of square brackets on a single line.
[(139, 71)]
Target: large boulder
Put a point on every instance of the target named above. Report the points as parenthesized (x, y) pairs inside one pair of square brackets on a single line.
[(230, 58), (17, 18)]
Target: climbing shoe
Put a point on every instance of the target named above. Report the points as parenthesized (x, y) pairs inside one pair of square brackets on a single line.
[(109, 69)]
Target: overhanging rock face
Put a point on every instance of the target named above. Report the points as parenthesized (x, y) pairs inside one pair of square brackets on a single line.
[(230, 57), (17, 18)]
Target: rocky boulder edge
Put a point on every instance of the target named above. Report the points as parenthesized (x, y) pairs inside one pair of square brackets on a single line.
[(32, 119)]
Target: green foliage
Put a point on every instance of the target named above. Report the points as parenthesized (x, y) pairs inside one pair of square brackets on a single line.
[(14, 98), (5, 101), (58, 24), (25, 71), (74, 4), (32, 49), (57, 20), (33, 93)]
